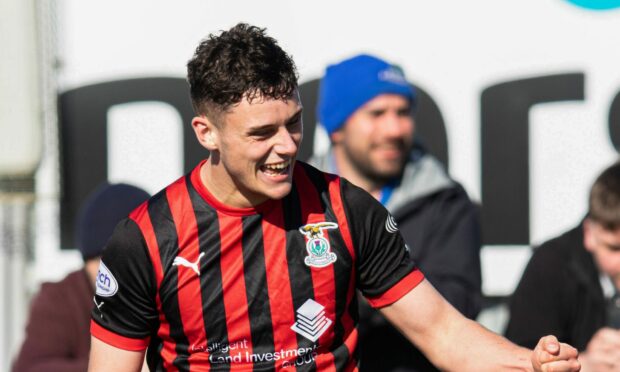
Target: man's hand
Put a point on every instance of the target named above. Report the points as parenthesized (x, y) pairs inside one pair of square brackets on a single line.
[(551, 355), (603, 351)]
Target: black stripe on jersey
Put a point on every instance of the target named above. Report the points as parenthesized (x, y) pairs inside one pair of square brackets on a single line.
[(342, 269), (165, 232), (214, 313), (153, 355), (255, 275), (301, 277)]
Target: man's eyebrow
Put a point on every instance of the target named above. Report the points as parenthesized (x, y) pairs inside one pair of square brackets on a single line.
[(378, 110), (265, 127), (614, 247), (295, 116), (261, 128)]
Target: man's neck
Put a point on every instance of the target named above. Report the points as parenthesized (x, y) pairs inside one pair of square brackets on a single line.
[(92, 268), (219, 184), (347, 170)]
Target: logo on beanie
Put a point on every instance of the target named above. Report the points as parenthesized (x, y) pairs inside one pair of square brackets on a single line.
[(106, 283), (393, 75)]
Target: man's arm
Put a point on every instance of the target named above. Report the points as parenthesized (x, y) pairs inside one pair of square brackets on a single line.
[(453, 342), (104, 357)]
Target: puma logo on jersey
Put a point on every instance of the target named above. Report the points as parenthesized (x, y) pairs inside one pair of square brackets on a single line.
[(98, 306), (178, 260)]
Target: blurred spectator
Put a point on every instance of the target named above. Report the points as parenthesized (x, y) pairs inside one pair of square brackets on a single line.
[(58, 330), (573, 280), (365, 105)]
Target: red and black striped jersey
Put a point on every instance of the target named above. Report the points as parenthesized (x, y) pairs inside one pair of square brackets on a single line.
[(205, 286)]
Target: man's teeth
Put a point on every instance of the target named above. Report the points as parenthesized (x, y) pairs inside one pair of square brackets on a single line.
[(277, 167)]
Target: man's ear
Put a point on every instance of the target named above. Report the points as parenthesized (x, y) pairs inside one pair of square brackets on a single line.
[(337, 137), (206, 132)]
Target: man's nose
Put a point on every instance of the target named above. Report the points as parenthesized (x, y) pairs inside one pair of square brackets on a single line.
[(286, 143), (394, 125)]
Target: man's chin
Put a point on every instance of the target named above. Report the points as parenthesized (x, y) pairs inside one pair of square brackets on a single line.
[(386, 172), (279, 192)]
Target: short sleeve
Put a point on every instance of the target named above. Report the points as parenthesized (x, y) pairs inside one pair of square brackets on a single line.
[(385, 270), (125, 313)]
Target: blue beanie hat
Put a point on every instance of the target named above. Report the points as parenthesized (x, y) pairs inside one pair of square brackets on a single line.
[(101, 211), (348, 85)]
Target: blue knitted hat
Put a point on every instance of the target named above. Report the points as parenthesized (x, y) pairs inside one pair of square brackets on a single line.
[(351, 83), (101, 211)]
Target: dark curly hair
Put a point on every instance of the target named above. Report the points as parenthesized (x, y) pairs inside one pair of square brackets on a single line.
[(604, 203), (241, 62)]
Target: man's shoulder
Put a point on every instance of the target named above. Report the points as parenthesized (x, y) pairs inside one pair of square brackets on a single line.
[(560, 252), (77, 277), (562, 244), (353, 195), (315, 175), (424, 168), (313, 169), (424, 178), (51, 293)]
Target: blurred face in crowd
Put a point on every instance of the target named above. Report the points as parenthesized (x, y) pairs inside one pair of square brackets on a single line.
[(604, 245), (376, 139), (254, 145)]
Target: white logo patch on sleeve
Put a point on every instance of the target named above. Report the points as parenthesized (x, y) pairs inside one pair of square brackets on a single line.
[(390, 224), (106, 283)]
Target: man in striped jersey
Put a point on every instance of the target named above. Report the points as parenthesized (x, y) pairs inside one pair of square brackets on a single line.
[(251, 261)]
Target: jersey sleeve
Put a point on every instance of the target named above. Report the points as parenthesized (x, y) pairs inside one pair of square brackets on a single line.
[(385, 270), (125, 313)]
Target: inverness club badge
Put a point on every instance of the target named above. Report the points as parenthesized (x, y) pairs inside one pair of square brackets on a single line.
[(319, 254)]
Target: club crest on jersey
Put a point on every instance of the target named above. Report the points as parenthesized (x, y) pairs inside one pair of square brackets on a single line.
[(319, 253)]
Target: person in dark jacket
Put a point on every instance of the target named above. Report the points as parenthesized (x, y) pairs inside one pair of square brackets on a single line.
[(574, 280), (58, 328), (365, 106)]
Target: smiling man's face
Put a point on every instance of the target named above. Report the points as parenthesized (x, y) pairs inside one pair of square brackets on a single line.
[(257, 143)]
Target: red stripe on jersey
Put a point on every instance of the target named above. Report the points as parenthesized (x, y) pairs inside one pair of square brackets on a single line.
[(188, 280), (116, 340), (141, 217), (400, 289), (338, 207), (233, 283), (350, 343), (276, 271), (335, 196), (322, 277)]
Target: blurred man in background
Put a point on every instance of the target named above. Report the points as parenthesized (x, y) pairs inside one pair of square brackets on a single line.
[(574, 279), (365, 105), (57, 333)]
